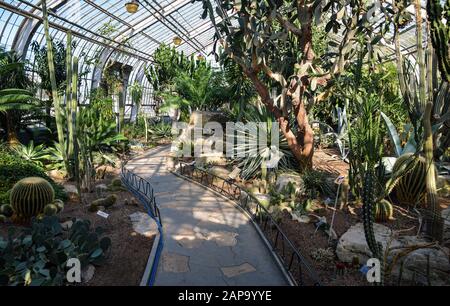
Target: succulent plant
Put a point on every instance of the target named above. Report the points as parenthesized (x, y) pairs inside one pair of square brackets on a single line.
[(410, 187), (105, 202), (30, 195), (59, 204), (6, 210), (116, 185), (383, 211), (50, 209)]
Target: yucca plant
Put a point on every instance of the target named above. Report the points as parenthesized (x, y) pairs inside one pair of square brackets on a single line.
[(250, 156)]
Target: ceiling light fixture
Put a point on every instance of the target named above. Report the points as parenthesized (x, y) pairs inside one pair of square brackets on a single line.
[(132, 6), (177, 41)]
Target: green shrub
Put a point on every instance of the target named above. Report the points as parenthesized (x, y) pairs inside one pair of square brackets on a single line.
[(13, 169), (37, 256)]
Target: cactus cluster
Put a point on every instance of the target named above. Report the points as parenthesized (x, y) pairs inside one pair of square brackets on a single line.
[(30, 195), (116, 185), (105, 202)]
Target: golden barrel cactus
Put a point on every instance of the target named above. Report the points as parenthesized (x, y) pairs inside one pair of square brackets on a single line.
[(30, 195)]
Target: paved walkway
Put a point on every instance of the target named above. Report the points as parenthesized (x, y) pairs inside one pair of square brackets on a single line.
[(207, 241)]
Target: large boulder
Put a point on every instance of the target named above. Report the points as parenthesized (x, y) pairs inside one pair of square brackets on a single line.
[(352, 244)]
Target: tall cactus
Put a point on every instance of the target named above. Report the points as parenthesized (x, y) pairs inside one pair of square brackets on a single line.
[(69, 96), (55, 94), (369, 202), (432, 227), (74, 121), (440, 34)]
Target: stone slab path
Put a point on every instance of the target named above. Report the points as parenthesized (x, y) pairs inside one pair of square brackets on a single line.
[(207, 241)]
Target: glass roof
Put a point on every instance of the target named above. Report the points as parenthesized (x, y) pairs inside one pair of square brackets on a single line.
[(104, 27)]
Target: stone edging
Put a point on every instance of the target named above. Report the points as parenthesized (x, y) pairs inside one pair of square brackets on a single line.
[(258, 230)]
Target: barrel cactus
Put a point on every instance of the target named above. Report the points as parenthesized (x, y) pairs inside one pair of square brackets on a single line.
[(30, 195), (410, 188), (383, 211)]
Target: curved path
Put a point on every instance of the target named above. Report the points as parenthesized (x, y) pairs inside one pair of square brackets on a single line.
[(207, 241)]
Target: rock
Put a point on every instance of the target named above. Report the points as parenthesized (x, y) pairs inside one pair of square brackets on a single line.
[(220, 171), (285, 178), (353, 244), (67, 225), (143, 224), (101, 190), (300, 218), (87, 274), (415, 267), (71, 191), (57, 174)]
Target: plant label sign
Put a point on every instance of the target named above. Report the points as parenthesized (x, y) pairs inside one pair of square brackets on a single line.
[(102, 214)]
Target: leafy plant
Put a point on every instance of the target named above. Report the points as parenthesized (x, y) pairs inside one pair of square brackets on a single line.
[(14, 168), (32, 153), (37, 256), (160, 131)]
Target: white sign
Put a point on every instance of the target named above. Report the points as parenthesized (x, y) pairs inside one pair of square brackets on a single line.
[(102, 214)]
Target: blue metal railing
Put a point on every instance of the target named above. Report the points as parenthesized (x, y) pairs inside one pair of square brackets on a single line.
[(143, 191)]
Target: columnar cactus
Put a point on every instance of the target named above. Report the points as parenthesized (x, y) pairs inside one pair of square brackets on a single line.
[(30, 195), (368, 196), (440, 34)]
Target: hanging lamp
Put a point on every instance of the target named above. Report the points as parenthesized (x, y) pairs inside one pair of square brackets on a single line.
[(132, 6)]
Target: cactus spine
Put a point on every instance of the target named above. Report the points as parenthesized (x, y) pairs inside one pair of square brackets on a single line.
[(30, 195)]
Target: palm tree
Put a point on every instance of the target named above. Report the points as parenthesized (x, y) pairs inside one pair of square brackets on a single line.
[(13, 95), (14, 100)]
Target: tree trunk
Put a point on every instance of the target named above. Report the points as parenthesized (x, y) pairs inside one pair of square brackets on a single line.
[(11, 130), (302, 144)]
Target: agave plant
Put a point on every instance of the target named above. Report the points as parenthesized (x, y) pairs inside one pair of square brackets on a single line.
[(32, 153), (160, 131)]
